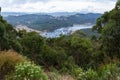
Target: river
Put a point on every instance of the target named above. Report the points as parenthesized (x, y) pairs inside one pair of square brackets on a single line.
[(65, 30)]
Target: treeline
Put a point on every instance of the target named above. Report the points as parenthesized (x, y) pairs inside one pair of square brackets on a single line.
[(96, 58)]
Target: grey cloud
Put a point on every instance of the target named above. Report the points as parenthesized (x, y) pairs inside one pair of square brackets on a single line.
[(25, 1), (12, 5)]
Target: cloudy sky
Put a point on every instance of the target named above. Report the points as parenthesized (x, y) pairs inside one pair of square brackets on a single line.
[(98, 6)]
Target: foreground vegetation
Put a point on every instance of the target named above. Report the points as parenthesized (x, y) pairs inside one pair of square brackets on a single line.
[(28, 56)]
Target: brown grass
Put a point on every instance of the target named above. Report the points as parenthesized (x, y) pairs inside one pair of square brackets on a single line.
[(67, 77), (10, 57), (8, 60), (56, 76)]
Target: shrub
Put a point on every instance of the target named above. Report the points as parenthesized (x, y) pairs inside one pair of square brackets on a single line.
[(29, 71), (109, 71), (76, 71), (88, 75), (8, 60), (68, 66)]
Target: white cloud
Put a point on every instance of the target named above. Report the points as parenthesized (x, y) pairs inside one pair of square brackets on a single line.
[(57, 5)]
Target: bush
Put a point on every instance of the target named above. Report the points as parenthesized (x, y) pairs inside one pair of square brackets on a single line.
[(88, 75), (8, 60), (68, 66), (28, 71), (76, 71), (109, 71)]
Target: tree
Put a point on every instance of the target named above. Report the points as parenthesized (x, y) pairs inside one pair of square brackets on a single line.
[(3, 35), (101, 22), (8, 37), (32, 44), (110, 31), (0, 10), (81, 50), (117, 5)]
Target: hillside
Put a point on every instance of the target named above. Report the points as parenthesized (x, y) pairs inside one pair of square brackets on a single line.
[(50, 23)]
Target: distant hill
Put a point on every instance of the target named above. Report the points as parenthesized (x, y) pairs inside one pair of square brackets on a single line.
[(50, 23), (5, 14), (55, 14), (58, 14)]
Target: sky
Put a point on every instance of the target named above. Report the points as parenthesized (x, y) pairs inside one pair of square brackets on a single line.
[(49, 6)]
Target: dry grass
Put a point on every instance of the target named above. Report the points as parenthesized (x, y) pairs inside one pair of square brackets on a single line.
[(8, 60), (10, 57), (67, 77), (56, 76)]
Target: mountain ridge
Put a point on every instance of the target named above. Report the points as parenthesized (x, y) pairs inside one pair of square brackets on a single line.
[(50, 23)]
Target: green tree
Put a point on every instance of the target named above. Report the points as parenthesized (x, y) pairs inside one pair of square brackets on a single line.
[(32, 44), (109, 26), (8, 37), (117, 5), (3, 35), (81, 49)]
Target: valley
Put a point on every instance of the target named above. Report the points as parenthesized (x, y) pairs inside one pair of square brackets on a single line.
[(51, 23)]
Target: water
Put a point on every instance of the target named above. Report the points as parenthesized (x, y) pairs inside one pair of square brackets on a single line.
[(65, 31)]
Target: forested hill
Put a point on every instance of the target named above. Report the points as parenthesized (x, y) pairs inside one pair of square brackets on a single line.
[(48, 22)]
